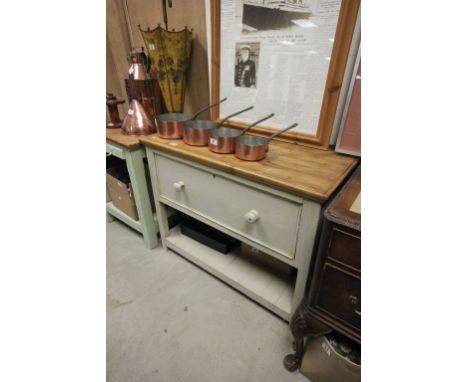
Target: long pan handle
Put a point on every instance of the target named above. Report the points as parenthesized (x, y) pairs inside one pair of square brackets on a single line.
[(281, 132), (233, 115), (256, 123), (207, 108)]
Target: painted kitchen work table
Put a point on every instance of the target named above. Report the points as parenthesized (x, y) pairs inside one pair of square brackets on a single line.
[(273, 206)]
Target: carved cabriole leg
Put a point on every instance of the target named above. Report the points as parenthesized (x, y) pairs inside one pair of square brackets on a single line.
[(303, 324)]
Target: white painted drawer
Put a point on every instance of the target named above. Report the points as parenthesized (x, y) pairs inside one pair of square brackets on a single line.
[(231, 204)]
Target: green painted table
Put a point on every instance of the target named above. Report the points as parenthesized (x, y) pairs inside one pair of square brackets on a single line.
[(129, 149)]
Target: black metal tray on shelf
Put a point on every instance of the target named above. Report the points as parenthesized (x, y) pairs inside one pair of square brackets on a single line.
[(207, 235)]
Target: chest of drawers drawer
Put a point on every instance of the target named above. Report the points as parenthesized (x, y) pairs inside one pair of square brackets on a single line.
[(345, 247), (266, 218), (339, 295)]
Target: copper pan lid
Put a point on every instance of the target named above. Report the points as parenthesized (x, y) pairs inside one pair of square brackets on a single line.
[(137, 121)]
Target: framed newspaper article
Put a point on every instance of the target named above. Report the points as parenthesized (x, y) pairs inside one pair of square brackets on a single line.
[(286, 57)]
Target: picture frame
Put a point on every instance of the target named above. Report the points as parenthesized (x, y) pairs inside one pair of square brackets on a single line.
[(349, 135), (322, 129)]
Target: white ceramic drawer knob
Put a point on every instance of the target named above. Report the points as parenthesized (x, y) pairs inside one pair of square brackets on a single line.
[(252, 216), (179, 185)]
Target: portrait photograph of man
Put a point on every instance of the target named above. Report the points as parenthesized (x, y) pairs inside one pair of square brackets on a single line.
[(246, 66)]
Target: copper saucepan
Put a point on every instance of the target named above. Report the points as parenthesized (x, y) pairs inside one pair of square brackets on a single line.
[(249, 147), (223, 139), (170, 125), (196, 132)]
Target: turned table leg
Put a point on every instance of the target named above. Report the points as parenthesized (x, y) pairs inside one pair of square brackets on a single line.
[(303, 324)]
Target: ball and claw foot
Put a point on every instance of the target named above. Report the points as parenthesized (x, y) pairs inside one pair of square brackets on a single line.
[(291, 362), (302, 324)]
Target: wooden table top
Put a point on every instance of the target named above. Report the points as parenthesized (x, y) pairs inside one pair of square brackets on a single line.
[(128, 141), (339, 210), (303, 171)]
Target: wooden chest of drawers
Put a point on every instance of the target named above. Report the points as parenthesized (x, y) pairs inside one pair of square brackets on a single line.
[(333, 301), (336, 289)]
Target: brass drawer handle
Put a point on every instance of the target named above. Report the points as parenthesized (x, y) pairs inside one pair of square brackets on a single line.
[(354, 300)]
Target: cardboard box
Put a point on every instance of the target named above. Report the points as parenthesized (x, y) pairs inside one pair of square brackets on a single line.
[(321, 363), (120, 190)]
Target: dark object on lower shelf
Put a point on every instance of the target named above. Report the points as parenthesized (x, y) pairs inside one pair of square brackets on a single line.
[(112, 161), (174, 218), (207, 235)]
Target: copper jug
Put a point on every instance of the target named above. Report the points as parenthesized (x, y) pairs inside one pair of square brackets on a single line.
[(141, 86), (137, 121), (139, 65)]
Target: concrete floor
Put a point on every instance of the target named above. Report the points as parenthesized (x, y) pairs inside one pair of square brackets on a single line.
[(170, 321)]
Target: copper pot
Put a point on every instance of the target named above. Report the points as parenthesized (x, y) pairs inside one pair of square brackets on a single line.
[(171, 125), (223, 139), (196, 132), (252, 148)]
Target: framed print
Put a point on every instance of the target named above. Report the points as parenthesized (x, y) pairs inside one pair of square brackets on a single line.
[(349, 136), (286, 57)]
